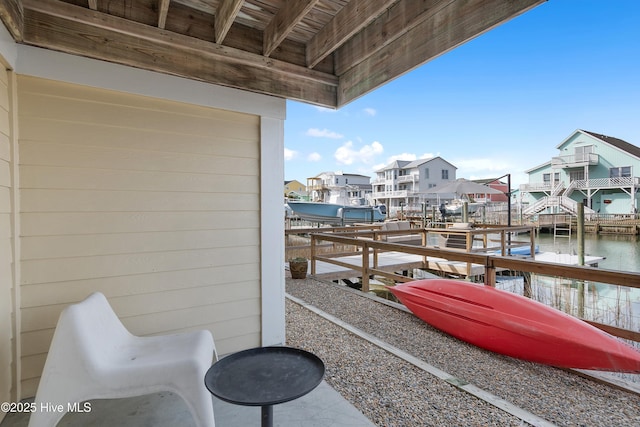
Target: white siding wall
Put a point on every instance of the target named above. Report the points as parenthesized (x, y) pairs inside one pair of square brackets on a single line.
[(155, 203), (6, 240)]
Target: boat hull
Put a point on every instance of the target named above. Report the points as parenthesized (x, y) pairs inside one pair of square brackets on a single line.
[(336, 213), (515, 326)]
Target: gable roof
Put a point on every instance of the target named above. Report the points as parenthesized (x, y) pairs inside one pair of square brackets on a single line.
[(616, 142), (421, 162), (409, 164)]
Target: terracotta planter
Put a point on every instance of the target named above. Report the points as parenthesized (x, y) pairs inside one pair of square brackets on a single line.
[(298, 269)]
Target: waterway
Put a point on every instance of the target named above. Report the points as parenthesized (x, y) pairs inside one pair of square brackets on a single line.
[(621, 252)]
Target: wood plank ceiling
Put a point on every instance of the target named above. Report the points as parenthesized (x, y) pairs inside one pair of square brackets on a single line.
[(323, 52)]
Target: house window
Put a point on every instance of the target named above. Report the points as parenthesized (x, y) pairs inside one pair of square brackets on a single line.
[(426, 173), (445, 174), (576, 175), (621, 172), (546, 178)]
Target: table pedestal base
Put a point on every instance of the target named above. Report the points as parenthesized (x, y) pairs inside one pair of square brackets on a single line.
[(267, 416)]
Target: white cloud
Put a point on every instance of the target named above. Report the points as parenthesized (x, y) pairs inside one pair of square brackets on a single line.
[(290, 154), (314, 157), (324, 133), (347, 155), (370, 111)]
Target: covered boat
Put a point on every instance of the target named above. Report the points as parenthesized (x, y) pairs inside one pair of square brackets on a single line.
[(338, 214), (515, 326)]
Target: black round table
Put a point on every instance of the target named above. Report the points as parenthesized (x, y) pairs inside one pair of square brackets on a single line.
[(264, 376)]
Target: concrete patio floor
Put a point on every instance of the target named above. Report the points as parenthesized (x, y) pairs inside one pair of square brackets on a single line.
[(323, 407)]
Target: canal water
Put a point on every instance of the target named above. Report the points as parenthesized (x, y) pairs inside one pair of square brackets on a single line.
[(621, 252)]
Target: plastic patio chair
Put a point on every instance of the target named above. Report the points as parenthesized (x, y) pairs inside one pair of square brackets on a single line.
[(93, 356)]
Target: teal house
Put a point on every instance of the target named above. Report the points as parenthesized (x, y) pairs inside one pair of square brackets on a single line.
[(600, 171)]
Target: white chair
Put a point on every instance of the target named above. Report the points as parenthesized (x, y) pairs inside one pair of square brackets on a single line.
[(93, 356)]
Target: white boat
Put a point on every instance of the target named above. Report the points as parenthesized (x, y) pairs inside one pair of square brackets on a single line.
[(455, 207)]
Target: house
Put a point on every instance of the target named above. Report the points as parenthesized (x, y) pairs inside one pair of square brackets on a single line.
[(295, 189), (338, 187), (405, 184), (141, 152), (496, 184), (600, 171)]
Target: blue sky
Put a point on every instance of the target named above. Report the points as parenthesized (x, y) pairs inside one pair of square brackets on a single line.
[(498, 104)]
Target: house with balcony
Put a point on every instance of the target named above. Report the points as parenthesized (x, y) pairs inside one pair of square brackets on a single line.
[(600, 171), (404, 184), (294, 189), (338, 187)]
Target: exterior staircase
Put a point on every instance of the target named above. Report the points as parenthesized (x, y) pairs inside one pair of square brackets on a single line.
[(563, 202)]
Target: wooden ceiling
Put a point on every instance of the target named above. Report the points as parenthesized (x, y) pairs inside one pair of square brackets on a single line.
[(323, 52)]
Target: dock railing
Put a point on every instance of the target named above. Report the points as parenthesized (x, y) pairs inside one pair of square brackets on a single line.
[(368, 244)]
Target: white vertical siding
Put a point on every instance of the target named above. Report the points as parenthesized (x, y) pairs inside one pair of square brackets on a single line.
[(155, 203), (6, 239)]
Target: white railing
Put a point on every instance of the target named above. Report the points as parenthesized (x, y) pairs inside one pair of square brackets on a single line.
[(618, 182), (540, 186), (565, 203), (391, 194), (536, 207), (558, 188), (575, 160), (583, 184), (407, 178), (570, 188)]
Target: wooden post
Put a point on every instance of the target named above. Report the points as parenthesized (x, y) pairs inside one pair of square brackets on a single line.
[(580, 226), (489, 273), (468, 236), (365, 268), (313, 255), (532, 238)]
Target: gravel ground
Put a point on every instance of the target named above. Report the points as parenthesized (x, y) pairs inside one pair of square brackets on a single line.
[(392, 392)]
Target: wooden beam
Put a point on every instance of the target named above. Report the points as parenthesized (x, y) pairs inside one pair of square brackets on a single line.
[(455, 23), (390, 26), (12, 15), (355, 16), (163, 9), (284, 21), (76, 30), (93, 4), (225, 15)]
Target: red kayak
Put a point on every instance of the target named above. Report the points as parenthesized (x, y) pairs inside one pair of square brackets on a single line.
[(515, 326)]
